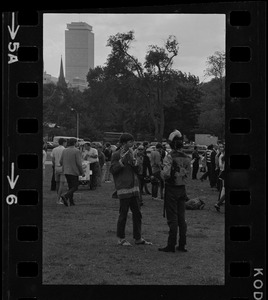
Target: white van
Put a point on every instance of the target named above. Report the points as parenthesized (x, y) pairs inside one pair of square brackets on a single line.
[(67, 138)]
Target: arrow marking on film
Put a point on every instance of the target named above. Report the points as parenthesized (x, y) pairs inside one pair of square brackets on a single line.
[(11, 180), (12, 30)]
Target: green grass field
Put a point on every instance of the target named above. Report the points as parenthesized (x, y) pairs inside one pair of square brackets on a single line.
[(80, 243)]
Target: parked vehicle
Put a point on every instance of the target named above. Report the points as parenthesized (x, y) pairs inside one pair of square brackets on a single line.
[(67, 138), (50, 145), (205, 139)]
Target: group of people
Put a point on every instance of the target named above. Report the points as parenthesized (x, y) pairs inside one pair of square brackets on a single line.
[(67, 165), (127, 167), (213, 167), (132, 169)]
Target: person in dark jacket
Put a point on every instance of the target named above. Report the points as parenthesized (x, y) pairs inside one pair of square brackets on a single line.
[(124, 171), (176, 170)]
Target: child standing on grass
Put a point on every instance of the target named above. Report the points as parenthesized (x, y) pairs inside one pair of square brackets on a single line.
[(123, 169)]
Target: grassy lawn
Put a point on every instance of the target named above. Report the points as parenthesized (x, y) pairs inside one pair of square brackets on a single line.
[(80, 244)]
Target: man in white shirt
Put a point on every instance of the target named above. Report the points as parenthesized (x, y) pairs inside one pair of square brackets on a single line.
[(59, 175), (91, 154)]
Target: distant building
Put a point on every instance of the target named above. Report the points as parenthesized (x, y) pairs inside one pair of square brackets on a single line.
[(47, 78), (79, 53), (61, 81)]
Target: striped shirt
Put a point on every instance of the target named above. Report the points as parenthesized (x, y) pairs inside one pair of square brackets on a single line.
[(208, 156)]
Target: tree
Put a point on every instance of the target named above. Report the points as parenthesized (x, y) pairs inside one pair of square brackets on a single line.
[(212, 113), (216, 65), (216, 68), (149, 81), (183, 111)]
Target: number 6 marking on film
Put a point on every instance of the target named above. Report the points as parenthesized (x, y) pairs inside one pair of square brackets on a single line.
[(11, 199)]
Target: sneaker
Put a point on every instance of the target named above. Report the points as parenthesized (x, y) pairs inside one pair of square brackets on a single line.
[(202, 206), (64, 200), (59, 201), (181, 249), (123, 242), (167, 249), (142, 241), (157, 199), (217, 207)]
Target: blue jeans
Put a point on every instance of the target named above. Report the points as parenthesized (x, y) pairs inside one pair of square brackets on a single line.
[(175, 212), (133, 204)]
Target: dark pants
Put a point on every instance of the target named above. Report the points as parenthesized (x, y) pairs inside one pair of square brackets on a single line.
[(204, 176), (221, 197), (175, 212), (141, 185), (133, 204), (218, 180), (158, 181), (73, 184), (53, 181), (212, 174), (95, 168), (195, 170)]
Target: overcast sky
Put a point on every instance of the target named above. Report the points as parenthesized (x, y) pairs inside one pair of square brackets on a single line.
[(199, 36)]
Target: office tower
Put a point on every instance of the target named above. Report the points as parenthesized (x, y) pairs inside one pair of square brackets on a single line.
[(79, 52)]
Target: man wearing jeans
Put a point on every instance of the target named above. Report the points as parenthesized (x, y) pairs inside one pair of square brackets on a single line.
[(71, 163), (123, 166)]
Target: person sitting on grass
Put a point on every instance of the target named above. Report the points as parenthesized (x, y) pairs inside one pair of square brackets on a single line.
[(123, 169)]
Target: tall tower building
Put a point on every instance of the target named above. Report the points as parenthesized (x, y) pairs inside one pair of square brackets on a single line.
[(79, 52), (61, 80)]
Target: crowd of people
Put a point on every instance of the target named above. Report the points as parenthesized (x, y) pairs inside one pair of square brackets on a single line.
[(133, 169)]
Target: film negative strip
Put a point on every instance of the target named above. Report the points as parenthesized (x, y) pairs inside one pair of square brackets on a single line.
[(22, 134)]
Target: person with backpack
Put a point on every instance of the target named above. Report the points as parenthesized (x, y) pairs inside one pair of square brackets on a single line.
[(176, 171)]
